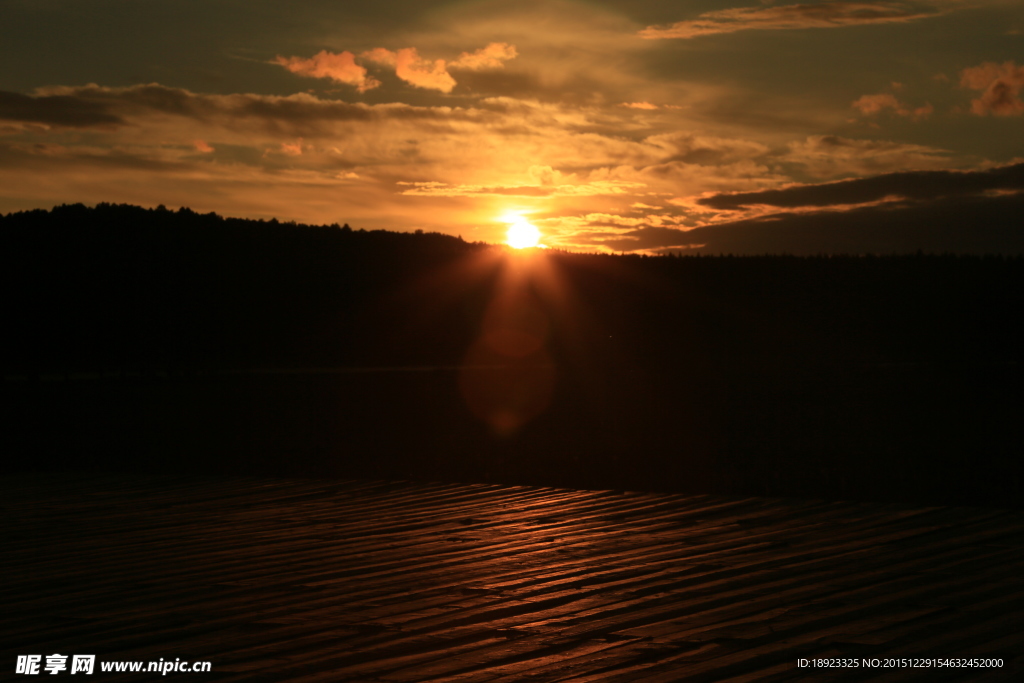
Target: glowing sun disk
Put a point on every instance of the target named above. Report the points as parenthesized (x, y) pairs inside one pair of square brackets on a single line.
[(521, 234)]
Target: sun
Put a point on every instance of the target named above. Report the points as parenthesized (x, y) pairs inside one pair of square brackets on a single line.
[(521, 233)]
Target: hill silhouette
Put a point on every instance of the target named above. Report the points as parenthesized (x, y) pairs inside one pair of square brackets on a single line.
[(170, 339)]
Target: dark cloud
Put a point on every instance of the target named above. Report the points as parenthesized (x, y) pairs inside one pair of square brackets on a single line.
[(913, 185), (647, 238), (301, 114), (957, 224), (55, 158), (56, 110)]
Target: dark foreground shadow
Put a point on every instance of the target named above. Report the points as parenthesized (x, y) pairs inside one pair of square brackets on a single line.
[(916, 434)]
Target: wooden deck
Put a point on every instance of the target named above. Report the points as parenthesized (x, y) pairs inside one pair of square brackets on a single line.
[(306, 580)]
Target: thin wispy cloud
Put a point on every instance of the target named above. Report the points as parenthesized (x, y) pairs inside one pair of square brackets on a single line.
[(828, 156), (788, 17), (598, 187), (870, 105)]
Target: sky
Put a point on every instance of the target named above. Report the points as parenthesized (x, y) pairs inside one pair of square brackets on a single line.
[(612, 126)]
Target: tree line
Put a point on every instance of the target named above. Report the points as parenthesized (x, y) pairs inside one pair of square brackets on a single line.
[(123, 288)]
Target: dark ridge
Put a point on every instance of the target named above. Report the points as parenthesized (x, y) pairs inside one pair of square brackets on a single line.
[(165, 340)]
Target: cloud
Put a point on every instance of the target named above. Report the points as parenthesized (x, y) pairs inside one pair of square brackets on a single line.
[(589, 171), (493, 56), (693, 179), (500, 148), (291, 116), (433, 74), (409, 66), (413, 69), (825, 156), (608, 230), (917, 186), (823, 15), (584, 189), (1001, 84), (339, 67), (293, 149), (493, 137), (693, 148), (33, 157), (975, 224), (639, 105), (870, 105), (56, 110), (647, 238)]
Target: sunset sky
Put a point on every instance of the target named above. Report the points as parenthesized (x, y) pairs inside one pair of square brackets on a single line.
[(619, 125)]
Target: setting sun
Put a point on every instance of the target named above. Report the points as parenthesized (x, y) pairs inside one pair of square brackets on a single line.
[(522, 234)]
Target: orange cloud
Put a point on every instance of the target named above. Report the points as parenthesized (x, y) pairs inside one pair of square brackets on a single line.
[(413, 69), (824, 15), (293, 149), (1001, 84), (433, 74), (407, 63), (201, 146), (639, 105), (493, 56), (338, 67), (873, 104)]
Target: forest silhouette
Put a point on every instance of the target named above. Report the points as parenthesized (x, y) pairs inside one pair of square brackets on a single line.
[(177, 341)]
